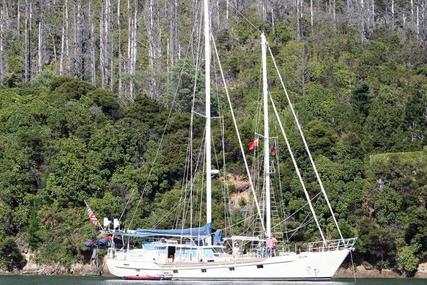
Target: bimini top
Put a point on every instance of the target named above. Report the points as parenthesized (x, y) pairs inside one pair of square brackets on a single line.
[(205, 230)]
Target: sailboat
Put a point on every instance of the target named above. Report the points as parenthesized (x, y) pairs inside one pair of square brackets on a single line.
[(198, 253)]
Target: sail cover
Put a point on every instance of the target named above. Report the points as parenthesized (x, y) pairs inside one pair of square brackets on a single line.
[(193, 232)]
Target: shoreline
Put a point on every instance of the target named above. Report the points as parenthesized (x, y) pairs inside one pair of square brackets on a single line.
[(362, 273)]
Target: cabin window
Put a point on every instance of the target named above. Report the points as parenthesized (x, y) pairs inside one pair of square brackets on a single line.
[(231, 268), (203, 270), (260, 266), (208, 253), (217, 251), (171, 252), (175, 271)]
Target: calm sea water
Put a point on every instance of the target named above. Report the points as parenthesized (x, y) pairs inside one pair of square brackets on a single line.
[(53, 280)]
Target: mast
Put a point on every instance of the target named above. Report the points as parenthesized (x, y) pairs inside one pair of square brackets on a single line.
[(266, 137), (208, 112)]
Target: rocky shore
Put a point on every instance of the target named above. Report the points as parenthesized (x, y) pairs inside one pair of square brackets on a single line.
[(78, 269), (366, 270)]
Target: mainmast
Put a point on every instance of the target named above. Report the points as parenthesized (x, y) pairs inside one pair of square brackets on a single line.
[(266, 137), (208, 112)]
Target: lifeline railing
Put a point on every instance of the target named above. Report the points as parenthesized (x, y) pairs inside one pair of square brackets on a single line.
[(331, 245)]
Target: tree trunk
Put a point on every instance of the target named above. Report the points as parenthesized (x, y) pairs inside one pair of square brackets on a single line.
[(334, 16), (92, 46), (392, 14), (102, 46), (28, 33), (40, 38), (119, 50), (111, 44), (77, 41), (362, 21), (226, 10), (297, 14), (417, 29), (273, 25), (63, 64), (373, 14), (131, 52), (104, 35), (2, 34), (18, 19), (311, 13), (154, 47)]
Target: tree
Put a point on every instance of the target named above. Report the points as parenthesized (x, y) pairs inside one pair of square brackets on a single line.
[(10, 256), (385, 119), (407, 262), (33, 230)]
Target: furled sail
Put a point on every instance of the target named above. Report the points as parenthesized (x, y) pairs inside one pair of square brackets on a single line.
[(195, 232)]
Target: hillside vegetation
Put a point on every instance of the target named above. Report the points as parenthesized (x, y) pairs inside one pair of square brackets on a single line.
[(363, 107)]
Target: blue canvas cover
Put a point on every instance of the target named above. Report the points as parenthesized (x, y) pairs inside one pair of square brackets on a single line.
[(218, 236)]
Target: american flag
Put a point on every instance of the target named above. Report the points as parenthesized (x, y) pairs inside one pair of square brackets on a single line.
[(91, 215)]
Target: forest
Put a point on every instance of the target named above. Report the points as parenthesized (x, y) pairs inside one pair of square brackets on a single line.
[(88, 85)]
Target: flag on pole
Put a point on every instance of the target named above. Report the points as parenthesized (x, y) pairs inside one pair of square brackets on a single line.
[(91, 215), (273, 149), (253, 144)]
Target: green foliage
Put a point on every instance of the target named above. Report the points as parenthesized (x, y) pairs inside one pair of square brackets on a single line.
[(376, 244), (33, 230), (407, 261), (10, 255), (362, 108)]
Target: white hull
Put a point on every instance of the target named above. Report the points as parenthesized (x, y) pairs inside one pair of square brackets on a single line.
[(303, 266)]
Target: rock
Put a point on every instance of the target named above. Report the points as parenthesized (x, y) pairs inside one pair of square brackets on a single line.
[(422, 267), (367, 266)]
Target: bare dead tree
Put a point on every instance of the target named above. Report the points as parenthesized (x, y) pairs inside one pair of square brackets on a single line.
[(92, 41), (362, 21), (18, 19), (119, 50), (40, 47), (2, 35), (77, 40), (311, 13), (65, 52), (28, 33), (154, 46), (132, 47), (334, 11), (105, 49), (392, 15), (297, 14), (173, 51)]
